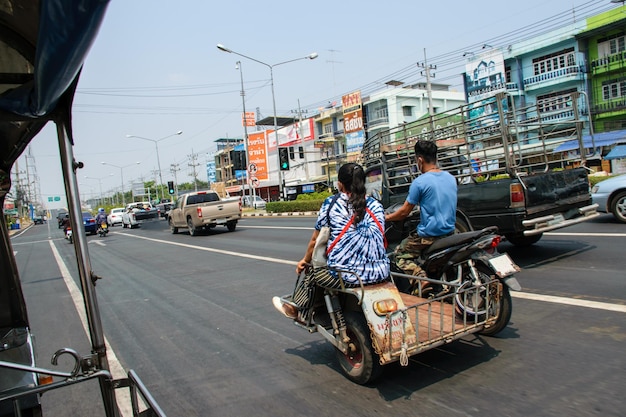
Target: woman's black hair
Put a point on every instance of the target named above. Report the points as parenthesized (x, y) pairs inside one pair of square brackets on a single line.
[(352, 177)]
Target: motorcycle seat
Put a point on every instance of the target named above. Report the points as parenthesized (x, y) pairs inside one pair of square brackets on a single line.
[(459, 239)]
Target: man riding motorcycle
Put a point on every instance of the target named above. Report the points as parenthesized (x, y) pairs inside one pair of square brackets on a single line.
[(101, 218), (435, 191)]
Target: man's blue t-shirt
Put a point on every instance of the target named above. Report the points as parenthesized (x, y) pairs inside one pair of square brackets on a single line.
[(436, 194)]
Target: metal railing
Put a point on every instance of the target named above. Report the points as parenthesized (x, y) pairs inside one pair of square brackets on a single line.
[(142, 402)]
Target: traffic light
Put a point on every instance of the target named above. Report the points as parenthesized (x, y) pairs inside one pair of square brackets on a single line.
[(170, 187), (283, 158)]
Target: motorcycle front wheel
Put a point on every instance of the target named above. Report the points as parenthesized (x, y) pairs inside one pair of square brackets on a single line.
[(478, 301), (361, 363)]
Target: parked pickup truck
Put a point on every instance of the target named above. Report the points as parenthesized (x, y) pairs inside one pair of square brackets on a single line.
[(203, 210), (508, 169), (139, 212)]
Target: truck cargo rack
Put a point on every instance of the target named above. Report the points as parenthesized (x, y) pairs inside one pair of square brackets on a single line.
[(486, 139)]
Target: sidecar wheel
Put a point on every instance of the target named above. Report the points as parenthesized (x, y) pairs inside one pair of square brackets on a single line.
[(361, 364), (474, 302)]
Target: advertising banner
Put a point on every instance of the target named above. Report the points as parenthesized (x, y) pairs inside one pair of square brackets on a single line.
[(290, 135), (352, 112), (247, 119), (257, 156), (485, 76)]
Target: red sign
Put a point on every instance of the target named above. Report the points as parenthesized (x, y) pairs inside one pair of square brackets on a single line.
[(247, 119)]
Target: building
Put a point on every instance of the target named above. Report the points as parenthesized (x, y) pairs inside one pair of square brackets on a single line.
[(583, 61)]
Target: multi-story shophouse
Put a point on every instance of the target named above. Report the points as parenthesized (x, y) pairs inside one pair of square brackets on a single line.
[(583, 57), (400, 104)]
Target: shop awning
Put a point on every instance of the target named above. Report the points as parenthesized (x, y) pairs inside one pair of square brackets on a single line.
[(599, 139), (617, 152)]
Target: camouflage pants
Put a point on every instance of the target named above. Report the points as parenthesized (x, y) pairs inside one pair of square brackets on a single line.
[(304, 293), (409, 252)]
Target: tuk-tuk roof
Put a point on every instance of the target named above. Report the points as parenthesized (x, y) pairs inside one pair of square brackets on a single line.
[(43, 45)]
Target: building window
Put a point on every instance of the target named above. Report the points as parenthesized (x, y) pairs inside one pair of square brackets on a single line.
[(555, 61), (561, 100), (380, 112), (613, 89), (328, 128), (611, 45), (301, 152), (292, 154), (407, 111)]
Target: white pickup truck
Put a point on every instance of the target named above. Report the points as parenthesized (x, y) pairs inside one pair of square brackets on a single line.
[(137, 213), (203, 210)]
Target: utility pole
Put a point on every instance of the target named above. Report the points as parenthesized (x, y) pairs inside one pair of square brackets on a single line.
[(193, 164), (427, 71), (174, 169)]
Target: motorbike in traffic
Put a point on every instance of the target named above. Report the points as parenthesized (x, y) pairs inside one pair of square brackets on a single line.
[(376, 324), (465, 261), (103, 229), (68, 234)]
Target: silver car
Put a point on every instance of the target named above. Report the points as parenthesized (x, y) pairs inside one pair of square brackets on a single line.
[(256, 202), (610, 195)]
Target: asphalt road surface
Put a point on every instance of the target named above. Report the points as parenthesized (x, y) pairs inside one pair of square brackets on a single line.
[(193, 316)]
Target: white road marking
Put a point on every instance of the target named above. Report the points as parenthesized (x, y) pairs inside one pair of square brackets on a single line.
[(117, 371), (518, 294), (569, 301), (223, 252), (586, 234)]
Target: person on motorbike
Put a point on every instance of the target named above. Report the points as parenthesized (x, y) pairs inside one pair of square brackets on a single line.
[(356, 240), (101, 217), (65, 223), (435, 191)]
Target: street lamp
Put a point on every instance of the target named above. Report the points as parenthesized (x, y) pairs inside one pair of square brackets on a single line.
[(122, 175), (245, 130), (156, 145), (271, 67), (99, 182)]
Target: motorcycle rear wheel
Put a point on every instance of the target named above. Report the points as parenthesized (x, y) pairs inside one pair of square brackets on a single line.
[(361, 364), (474, 302)]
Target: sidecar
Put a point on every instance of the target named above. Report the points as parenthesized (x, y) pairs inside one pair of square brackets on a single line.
[(43, 45), (374, 325)]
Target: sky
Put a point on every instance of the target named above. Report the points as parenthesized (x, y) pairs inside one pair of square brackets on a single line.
[(155, 70)]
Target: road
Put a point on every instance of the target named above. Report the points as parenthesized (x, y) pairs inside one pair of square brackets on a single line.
[(193, 316)]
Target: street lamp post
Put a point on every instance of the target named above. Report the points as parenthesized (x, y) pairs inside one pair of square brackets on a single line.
[(156, 146), (245, 132), (271, 67), (121, 168)]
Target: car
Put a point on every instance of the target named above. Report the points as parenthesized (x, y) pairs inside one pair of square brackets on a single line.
[(89, 222), (37, 220), (253, 201), (115, 216), (164, 208), (610, 195)]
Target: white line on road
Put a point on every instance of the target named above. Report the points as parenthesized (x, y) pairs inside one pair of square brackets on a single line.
[(528, 296), (586, 234), (223, 252), (570, 301), (116, 368)]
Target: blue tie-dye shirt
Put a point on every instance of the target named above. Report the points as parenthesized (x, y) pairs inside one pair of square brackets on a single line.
[(361, 249)]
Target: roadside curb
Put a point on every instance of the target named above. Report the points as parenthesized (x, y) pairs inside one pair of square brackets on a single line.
[(16, 231)]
